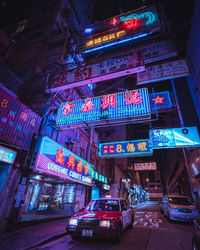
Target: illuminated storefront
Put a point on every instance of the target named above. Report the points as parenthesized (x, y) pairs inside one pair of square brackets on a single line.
[(59, 181)]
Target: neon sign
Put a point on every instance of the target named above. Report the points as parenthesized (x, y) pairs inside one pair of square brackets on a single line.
[(175, 138), (149, 17), (160, 100), (121, 29), (126, 149), (115, 108), (56, 160), (7, 155), (106, 38)]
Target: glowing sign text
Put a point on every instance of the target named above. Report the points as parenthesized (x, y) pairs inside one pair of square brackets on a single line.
[(125, 149), (129, 105)]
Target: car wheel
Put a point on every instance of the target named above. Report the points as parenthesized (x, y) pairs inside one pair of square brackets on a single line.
[(118, 233)]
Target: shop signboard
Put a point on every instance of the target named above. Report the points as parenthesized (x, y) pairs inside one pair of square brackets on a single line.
[(99, 177), (17, 122), (108, 69), (145, 166), (120, 30), (157, 51), (106, 187), (160, 100), (115, 108), (175, 138), (54, 159), (7, 155), (163, 71), (126, 148)]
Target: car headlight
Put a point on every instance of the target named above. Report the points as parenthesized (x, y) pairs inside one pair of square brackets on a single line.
[(73, 222), (105, 223)]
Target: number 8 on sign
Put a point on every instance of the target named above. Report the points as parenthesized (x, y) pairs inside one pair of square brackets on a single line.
[(4, 103), (119, 148)]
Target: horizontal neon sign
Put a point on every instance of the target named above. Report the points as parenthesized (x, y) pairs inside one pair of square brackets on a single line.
[(126, 148), (175, 138), (115, 108), (111, 31), (56, 160), (105, 38), (117, 42)]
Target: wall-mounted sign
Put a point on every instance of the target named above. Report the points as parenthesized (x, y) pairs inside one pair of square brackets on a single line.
[(158, 51), (174, 138), (7, 155), (106, 187), (145, 166), (121, 29), (99, 177), (115, 108), (126, 149), (163, 71), (56, 160), (17, 122), (160, 100), (111, 68)]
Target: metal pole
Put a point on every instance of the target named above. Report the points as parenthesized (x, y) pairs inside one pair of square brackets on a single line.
[(182, 125)]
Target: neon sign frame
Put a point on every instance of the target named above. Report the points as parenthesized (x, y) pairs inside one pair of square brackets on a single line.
[(119, 108), (122, 29), (126, 149), (54, 159)]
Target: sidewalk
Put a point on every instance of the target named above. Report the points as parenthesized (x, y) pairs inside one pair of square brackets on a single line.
[(29, 236)]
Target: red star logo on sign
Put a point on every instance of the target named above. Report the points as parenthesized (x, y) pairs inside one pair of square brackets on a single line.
[(158, 99)]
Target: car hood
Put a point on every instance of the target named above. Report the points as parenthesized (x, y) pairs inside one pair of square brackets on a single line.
[(102, 215), (183, 206)]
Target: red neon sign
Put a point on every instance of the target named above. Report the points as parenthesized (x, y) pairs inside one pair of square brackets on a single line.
[(158, 99)]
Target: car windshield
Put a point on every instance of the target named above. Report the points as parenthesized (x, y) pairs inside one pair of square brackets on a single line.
[(180, 201), (103, 205)]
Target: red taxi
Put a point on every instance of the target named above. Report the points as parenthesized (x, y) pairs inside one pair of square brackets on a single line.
[(104, 217)]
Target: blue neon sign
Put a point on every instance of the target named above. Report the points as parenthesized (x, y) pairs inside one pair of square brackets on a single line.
[(160, 100), (115, 108), (7, 155), (174, 138), (126, 149)]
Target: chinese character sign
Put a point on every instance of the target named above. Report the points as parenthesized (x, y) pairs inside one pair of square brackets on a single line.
[(109, 69), (17, 122), (115, 108), (126, 149), (163, 71), (56, 160)]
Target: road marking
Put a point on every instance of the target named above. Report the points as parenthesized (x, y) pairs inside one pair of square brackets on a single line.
[(147, 219), (55, 241)]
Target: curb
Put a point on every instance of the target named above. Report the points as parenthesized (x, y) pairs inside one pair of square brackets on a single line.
[(46, 240)]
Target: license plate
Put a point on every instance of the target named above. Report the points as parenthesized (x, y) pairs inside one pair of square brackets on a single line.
[(88, 233)]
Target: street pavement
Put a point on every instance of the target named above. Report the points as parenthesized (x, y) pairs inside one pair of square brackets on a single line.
[(151, 231)]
